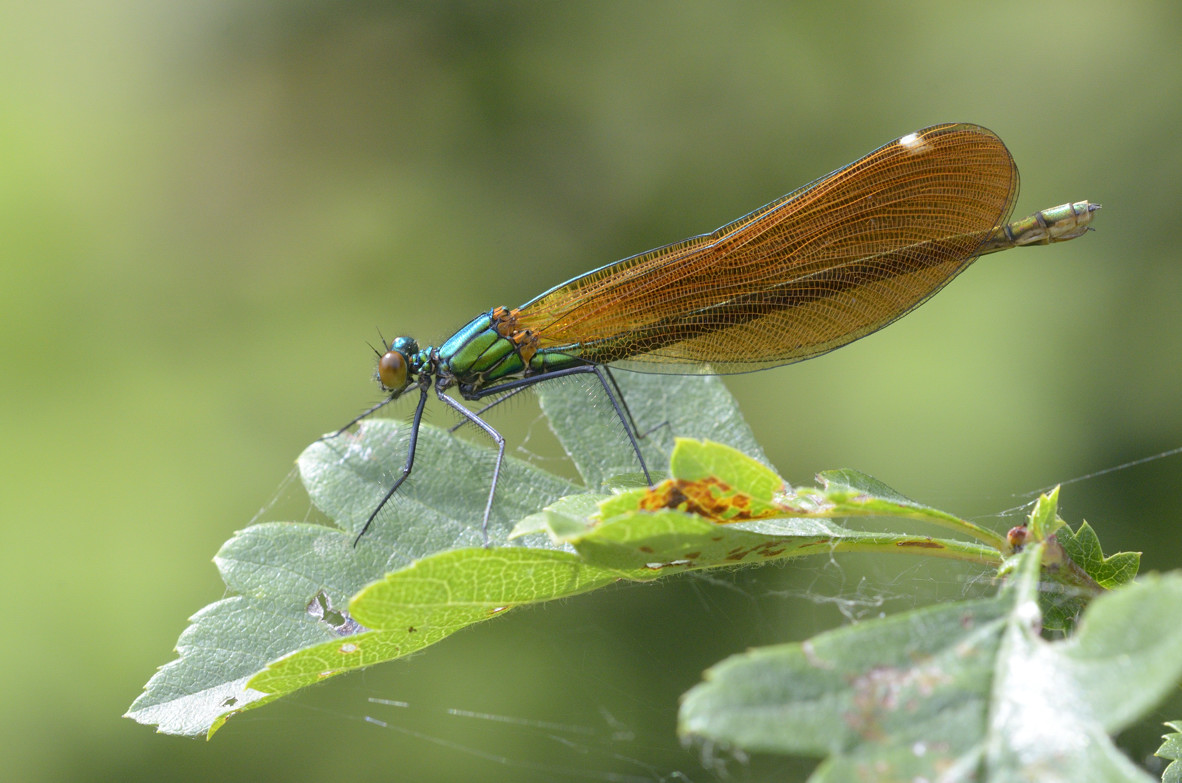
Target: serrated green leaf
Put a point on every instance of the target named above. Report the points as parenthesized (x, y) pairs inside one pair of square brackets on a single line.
[(1083, 547), (1171, 748), (1075, 568), (289, 624), (209, 680), (956, 692), (694, 460), (309, 605), (285, 573)]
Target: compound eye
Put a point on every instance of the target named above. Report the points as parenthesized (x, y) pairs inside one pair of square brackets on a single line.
[(392, 371)]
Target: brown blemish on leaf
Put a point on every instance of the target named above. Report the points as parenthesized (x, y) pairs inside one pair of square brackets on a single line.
[(929, 544), (709, 497)]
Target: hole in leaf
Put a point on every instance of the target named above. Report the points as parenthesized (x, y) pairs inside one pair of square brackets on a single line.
[(320, 607)]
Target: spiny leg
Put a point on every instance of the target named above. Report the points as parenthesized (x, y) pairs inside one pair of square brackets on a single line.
[(605, 379), (604, 375), (490, 406), (406, 468), (624, 402), (498, 439)]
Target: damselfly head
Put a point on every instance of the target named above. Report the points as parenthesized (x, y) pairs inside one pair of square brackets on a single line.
[(395, 367)]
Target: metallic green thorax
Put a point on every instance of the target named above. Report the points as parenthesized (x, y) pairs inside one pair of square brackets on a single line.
[(478, 356)]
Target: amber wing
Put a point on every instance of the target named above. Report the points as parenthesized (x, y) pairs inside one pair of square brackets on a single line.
[(829, 263)]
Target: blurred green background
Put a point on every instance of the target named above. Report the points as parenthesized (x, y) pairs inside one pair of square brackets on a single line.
[(209, 208)]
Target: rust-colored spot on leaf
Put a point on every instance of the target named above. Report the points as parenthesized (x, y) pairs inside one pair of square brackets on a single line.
[(709, 497)]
